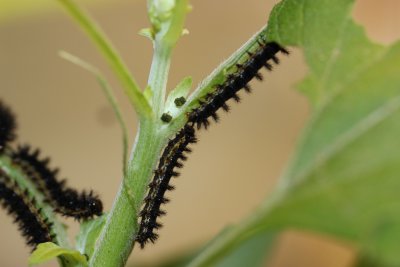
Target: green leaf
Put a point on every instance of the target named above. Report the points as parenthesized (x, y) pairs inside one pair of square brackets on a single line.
[(367, 262), (147, 32), (11, 9), (344, 177), (48, 251), (335, 48), (253, 252), (88, 234), (181, 90)]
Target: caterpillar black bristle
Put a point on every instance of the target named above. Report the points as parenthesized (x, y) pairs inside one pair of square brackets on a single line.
[(171, 158), (66, 201), (7, 126), (32, 223), (212, 102)]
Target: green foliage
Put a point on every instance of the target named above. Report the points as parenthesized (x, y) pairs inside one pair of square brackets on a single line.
[(343, 179), (49, 251), (181, 90), (11, 9), (252, 252)]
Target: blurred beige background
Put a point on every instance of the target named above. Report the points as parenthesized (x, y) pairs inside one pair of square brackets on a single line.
[(61, 110)]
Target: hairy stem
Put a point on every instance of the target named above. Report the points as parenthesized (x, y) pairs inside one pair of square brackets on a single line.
[(117, 238)]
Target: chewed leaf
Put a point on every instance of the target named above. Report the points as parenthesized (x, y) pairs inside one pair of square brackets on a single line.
[(48, 251)]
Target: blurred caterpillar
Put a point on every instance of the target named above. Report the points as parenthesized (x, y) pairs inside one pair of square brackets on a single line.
[(7, 126), (66, 201), (32, 223)]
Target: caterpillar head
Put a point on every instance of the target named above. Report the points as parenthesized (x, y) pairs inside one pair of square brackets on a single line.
[(95, 206)]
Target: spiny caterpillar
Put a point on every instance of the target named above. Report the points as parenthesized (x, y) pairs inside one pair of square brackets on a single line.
[(170, 159), (7, 126), (199, 116), (65, 201), (234, 83), (32, 223)]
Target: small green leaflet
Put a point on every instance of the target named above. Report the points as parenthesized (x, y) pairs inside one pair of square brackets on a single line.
[(48, 251)]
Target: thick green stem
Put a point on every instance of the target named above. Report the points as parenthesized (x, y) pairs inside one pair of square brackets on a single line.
[(117, 238)]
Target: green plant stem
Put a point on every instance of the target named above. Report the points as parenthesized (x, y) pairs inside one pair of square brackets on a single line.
[(159, 75), (117, 238), (114, 59)]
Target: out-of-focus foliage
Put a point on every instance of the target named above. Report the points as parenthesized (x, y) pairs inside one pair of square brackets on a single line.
[(14, 9), (344, 177)]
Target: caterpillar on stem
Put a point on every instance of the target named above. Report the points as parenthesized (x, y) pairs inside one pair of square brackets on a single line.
[(245, 72)]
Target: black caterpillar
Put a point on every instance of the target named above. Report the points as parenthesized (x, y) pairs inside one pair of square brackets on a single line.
[(65, 201), (234, 83), (170, 159), (199, 116), (7, 126), (32, 223)]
